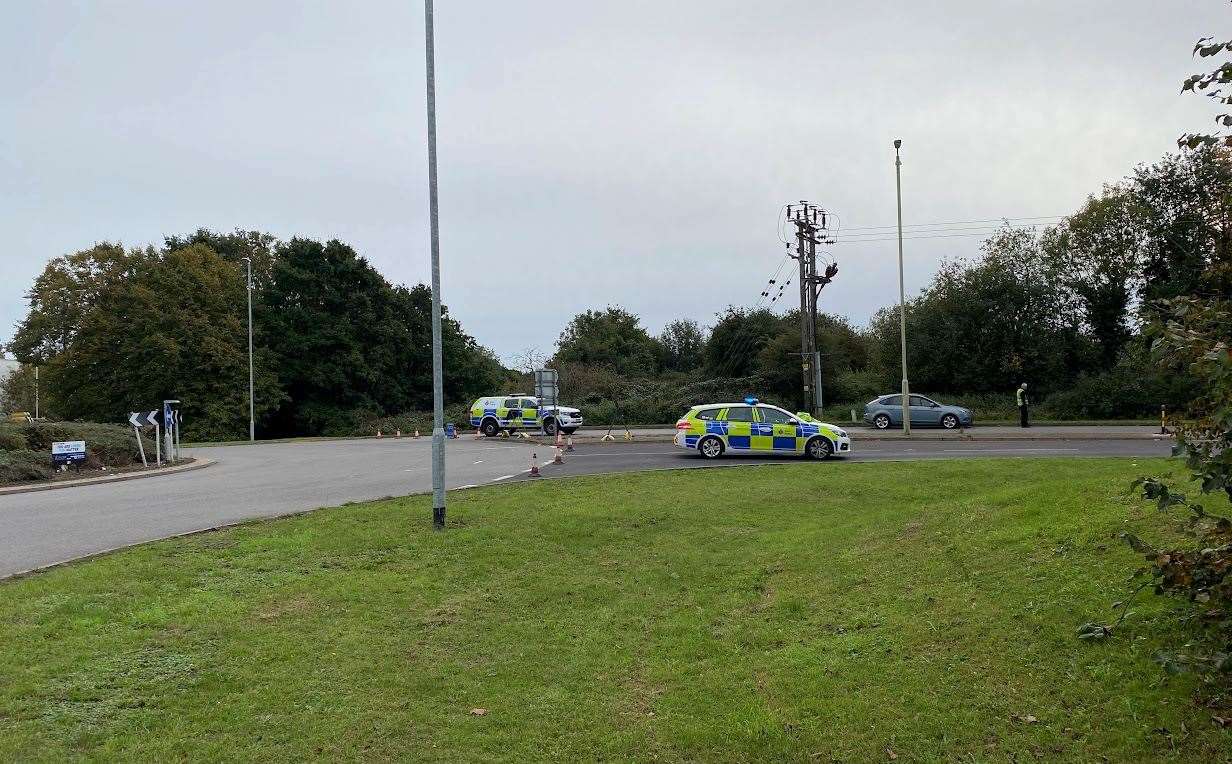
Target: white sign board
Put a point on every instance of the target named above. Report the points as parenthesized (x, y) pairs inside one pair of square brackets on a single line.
[(66, 447), (68, 452)]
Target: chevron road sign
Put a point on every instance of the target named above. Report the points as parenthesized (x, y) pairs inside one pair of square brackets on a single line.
[(143, 418), (139, 419)]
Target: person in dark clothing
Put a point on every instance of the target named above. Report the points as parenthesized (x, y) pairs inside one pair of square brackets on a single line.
[(1023, 404)]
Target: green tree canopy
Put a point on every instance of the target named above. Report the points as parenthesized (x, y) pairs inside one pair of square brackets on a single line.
[(346, 343), (612, 338), (737, 338), (683, 343), (118, 331)]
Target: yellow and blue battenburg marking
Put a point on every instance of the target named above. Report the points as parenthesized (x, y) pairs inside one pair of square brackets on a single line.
[(505, 417), (753, 436)]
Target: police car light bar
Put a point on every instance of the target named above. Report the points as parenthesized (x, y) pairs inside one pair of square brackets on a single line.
[(751, 401)]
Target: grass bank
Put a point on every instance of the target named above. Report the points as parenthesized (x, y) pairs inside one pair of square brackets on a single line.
[(832, 612)]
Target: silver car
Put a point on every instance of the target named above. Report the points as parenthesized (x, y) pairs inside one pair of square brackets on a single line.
[(887, 411)]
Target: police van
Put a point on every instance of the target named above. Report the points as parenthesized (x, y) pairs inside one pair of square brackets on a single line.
[(518, 411)]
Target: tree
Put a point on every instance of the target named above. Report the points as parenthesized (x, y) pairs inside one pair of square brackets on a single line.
[(118, 331), (1097, 255), (17, 391), (529, 360), (347, 345), (612, 338), (737, 338), (683, 343), (1187, 202), (987, 324)]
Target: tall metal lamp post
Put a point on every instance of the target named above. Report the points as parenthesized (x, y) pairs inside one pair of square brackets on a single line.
[(902, 295), (438, 403), (252, 420)]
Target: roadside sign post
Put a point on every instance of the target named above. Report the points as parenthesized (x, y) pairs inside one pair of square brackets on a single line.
[(137, 420), (171, 433)]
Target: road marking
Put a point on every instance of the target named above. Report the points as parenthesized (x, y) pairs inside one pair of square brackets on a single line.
[(479, 462), (502, 477), (1006, 450)]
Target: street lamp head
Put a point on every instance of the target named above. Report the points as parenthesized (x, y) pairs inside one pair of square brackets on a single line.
[(898, 143)]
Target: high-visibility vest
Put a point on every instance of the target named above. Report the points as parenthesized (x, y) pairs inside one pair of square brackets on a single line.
[(1022, 397)]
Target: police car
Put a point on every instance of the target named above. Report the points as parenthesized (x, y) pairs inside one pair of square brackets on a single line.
[(518, 411), (755, 427)]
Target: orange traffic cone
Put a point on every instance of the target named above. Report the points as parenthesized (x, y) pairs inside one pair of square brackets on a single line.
[(560, 456), (416, 434), (478, 434), (560, 439), (398, 433), (378, 433), (569, 443), (534, 465)]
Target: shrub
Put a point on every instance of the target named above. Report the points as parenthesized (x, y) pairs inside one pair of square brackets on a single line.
[(11, 438), (109, 445), (18, 466)]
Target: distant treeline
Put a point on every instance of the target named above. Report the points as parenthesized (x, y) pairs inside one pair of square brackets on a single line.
[(117, 329), (338, 347), (1058, 307)]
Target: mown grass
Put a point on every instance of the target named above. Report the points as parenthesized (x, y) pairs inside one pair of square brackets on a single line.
[(805, 612)]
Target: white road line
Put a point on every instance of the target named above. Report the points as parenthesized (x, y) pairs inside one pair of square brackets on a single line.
[(502, 477), (478, 462), (1005, 450)]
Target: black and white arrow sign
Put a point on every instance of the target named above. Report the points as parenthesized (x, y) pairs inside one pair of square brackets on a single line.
[(143, 418)]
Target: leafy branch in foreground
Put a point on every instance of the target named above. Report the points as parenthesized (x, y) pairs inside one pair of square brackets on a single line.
[(1193, 333), (1214, 85)]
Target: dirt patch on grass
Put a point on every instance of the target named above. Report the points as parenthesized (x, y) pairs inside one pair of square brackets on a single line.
[(300, 604)]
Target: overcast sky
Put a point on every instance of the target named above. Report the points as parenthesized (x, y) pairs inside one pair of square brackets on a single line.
[(604, 152)]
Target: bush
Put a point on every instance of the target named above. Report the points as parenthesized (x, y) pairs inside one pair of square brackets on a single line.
[(1122, 393), (18, 466), (107, 445), (11, 439), (853, 387)]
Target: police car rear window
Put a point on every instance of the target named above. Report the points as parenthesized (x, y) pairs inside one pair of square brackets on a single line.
[(708, 414)]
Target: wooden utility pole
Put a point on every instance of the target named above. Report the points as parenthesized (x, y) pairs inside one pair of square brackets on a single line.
[(812, 228)]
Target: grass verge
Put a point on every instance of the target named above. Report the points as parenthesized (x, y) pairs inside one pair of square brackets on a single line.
[(802, 612)]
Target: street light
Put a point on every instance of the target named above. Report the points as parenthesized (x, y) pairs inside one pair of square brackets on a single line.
[(438, 404), (902, 295), (252, 422)]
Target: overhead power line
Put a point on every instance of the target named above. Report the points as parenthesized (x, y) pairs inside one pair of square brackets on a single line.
[(894, 227)]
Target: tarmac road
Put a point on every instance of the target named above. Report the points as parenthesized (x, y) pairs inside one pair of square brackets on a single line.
[(271, 479), (249, 481)]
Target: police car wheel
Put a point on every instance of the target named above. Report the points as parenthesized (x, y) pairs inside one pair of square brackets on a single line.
[(549, 427), (819, 448), (710, 448), (489, 428), (881, 422), (949, 421)]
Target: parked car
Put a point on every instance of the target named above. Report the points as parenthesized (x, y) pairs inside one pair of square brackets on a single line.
[(887, 411)]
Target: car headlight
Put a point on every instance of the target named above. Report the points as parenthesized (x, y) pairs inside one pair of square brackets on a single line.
[(842, 433)]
